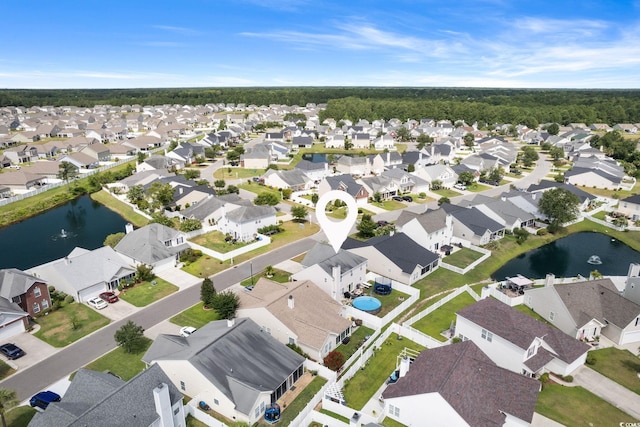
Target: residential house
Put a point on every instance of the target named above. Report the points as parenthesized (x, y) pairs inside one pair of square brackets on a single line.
[(293, 179), (316, 171), (586, 310), (585, 198), (159, 162), (445, 174), (384, 142), (296, 313), (344, 183), (516, 341), (302, 141), (356, 166), (210, 210), (21, 154), (595, 172), (185, 196), (360, 141), (630, 207), (406, 182), (397, 257), (472, 226), (80, 160), (335, 141), (383, 185), (626, 127), (416, 158), (258, 157), (233, 365), (383, 161), (502, 211), (336, 274), (432, 229), (144, 143), (100, 398), (84, 274), (243, 222), (97, 151), (458, 385), (31, 293), (155, 245), (21, 181)]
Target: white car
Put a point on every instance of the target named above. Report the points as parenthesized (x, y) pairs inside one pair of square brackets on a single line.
[(97, 303), (185, 331), (460, 186)]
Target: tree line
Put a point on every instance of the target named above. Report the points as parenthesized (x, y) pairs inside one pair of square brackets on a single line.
[(528, 106)]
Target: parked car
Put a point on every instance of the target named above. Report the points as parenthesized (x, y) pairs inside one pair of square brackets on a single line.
[(382, 223), (109, 297), (397, 198), (97, 303), (249, 288), (43, 399), (185, 331), (12, 351), (460, 186), (407, 198)]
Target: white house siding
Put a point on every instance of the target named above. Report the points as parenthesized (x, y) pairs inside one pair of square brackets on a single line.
[(380, 264), (559, 367), (255, 163), (90, 292), (463, 232), (424, 409), (545, 301), (632, 336), (629, 209), (334, 288), (164, 264), (591, 179)]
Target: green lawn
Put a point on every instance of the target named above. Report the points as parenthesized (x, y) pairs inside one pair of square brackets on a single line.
[(192, 422), (120, 208), (439, 320), (575, 406), (389, 422), (237, 173), (389, 302), (20, 416), (57, 329), (359, 389), (476, 187), (600, 215), (215, 241), (356, 341), (206, 266), (299, 403), (446, 192), (619, 365), (5, 370), (334, 415), (279, 276), (145, 293), (390, 205), (462, 257), (119, 362), (195, 316), (258, 188)]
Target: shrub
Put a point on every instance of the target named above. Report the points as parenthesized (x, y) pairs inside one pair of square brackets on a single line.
[(542, 232), (334, 360), (544, 378), (298, 350), (568, 378), (68, 299), (190, 255), (591, 359)]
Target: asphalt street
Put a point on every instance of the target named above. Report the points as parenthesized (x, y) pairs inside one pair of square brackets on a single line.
[(39, 376)]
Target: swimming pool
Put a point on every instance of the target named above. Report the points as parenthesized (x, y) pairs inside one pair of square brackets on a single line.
[(367, 304)]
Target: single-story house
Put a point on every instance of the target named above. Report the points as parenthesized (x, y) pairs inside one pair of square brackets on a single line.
[(155, 245)]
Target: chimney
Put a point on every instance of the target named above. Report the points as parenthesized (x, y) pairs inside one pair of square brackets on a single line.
[(180, 190), (335, 275), (549, 279), (534, 195), (128, 228), (67, 261), (291, 302), (388, 158), (163, 404), (405, 363), (231, 322)]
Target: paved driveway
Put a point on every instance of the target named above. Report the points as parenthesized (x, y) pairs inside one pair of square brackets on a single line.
[(612, 392), (118, 310), (36, 351)]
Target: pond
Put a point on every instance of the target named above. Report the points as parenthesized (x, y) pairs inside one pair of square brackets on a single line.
[(315, 157), (570, 256), (53, 234)]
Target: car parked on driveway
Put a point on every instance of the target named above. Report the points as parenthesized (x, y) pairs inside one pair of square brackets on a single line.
[(407, 198), (185, 331), (383, 223), (97, 303), (397, 198), (109, 297), (43, 399), (460, 186), (12, 351)]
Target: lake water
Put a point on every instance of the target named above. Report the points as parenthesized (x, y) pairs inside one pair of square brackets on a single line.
[(315, 157), (567, 257), (40, 239)]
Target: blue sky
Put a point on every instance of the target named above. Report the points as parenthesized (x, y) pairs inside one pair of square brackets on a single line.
[(194, 43)]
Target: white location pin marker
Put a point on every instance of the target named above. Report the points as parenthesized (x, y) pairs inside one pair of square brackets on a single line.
[(336, 231)]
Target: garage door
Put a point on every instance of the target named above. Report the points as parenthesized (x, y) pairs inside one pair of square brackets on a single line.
[(11, 330), (630, 337)]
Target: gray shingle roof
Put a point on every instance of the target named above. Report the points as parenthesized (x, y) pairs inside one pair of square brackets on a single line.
[(146, 244), (478, 390), (14, 282), (344, 182), (250, 213), (324, 255), (477, 221), (240, 361)]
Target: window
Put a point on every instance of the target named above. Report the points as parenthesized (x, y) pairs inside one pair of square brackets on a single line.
[(216, 402), (261, 406), (37, 292), (183, 387), (552, 315), (257, 412), (36, 307), (292, 341), (175, 411), (45, 304), (637, 321), (531, 351), (486, 335), (394, 410), (17, 299)]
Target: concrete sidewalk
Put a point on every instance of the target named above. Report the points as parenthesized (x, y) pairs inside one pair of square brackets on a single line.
[(619, 396)]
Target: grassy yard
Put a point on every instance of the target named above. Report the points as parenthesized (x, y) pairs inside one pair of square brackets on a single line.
[(390, 302), (446, 192), (476, 187), (462, 258), (619, 365), (192, 422), (279, 276), (390, 205), (120, 208), (57, 329), (145, 293), (257, 188), (439, 320), (215, 241), (237, 173), (575, 406), (356, 341), (119, 362), (298, 404), (5, 370), (195, 316), (600, 215), (20, 416), (359, 389), (206, 266), (389, 422)]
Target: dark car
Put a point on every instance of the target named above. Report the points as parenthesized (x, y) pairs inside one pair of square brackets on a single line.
[(43, 399), (109, 297), (382, 223), (407, 198), (12, 351), (397, 198)]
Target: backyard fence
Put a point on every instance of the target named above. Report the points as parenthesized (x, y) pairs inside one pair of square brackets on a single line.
[(441, 302)]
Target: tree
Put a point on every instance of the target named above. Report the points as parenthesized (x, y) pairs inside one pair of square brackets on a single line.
[(141, 156), (529, 155), (226, 304), (190, 224), (67, 171), (521, 235), (144, 273), (207, 292), (130, 337), (269, 270), (495, 174), (466, 177), (161, 194), (286, 193), (553, 129), (299, 213), (334, 360), (113, 239), (231, 189), (191, 174), (411, 168), (559, 206), (366, 227), (159, 218), (556, 153), (135, 194), (219, 183), (402, 134), (443, 200), (314, 198), (267, 198), (436, 184), (7, 401), (469, 140)]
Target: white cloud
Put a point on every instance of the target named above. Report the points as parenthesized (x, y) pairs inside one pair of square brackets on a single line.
[(177, 30)]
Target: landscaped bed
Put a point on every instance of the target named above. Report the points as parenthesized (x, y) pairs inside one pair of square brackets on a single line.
[(145, 293), (57, 328), (434, 323), (619, 365), (277, 275)]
